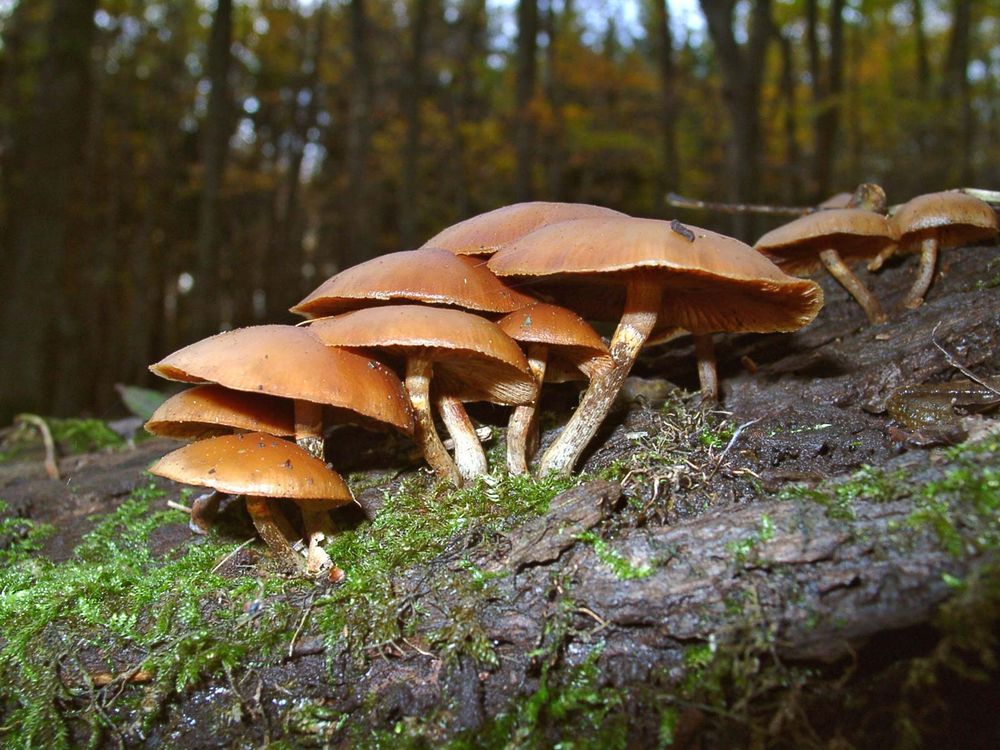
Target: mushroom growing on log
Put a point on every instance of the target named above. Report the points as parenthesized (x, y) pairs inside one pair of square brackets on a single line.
[(934, 221), (468, 357), (833, 239), (680, 276)]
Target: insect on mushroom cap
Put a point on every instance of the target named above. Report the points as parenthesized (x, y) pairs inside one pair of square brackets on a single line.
[(488, 232), (430, 276), (253, 463), (711, 282)]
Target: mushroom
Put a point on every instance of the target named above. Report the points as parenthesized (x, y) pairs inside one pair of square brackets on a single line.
[(686, 277), (468, 357), (832, 239), (260, 467), (486, 233), (930, 222), (211, 410), (430, 276), (548, 331), (290, 362)]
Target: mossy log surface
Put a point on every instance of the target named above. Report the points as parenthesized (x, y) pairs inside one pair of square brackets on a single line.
[(798, 570)]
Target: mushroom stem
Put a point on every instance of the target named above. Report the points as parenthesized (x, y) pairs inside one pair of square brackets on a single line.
[(708, 376), (309, 427), (418, 386), (838, 269), (203, 511), (925, 274), (642, 303), (269, 525), (522, 430), (469, 455)]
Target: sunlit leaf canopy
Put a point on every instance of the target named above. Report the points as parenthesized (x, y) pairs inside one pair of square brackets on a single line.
[(345, 129)]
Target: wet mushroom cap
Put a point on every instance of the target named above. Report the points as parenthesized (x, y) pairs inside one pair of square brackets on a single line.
[(711, 282), (854, 233), (473, 359), (255, 464), (954, 218), (209, 410), (486, 233), (430, 276), (569, 337), (290, 362)]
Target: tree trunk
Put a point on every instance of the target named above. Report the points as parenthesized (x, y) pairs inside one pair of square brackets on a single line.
[(204, 312), (359, 240), (959, 123), (827, 101), (524, 135), (742, 67), (412, 98), (555, 153), (36, 249), (670, 167), (793, 180)]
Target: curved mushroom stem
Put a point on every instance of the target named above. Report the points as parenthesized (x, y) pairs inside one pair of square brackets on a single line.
[(925, 274), (522, 430), (839, 270), (274, 529), (418, 386), (469, 455), (317, 522), (708, 375), (879, 260), (642, 303), (203, 511)]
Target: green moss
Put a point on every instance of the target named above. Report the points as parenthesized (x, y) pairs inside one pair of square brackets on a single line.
[(623, 569), (83, 435), (839, 496)]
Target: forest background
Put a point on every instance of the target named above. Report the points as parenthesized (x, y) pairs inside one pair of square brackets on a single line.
[(171, 169)]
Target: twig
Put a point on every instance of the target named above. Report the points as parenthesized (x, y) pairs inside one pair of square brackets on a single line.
[(178, 506), (679, 201), (734, 438), (51, 466), (230, 556), (302, 623), (958, 365), (591, 613)]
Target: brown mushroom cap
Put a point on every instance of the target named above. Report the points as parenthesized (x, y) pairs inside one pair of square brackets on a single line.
[(290, 362), (209, 410), (253, 463), (474, 359), (568, 336), (486, 233), (714, 283), (854, 233), (430, 275), (954, 218)]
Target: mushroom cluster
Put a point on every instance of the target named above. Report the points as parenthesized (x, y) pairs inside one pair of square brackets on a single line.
[(408, 338), (854, 227)]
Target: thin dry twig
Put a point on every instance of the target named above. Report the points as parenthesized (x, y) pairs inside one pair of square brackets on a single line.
[(178, 506), (950, 358), (302, 623), (679, 201), (51, 465), (232, 554)]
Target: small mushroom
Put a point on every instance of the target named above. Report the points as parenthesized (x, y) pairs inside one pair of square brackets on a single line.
[(708, 283), (468, 357), (260, 467), (833, 239), (429, 276), (209, 411), (486, 233), (548, 332), (930, 222)]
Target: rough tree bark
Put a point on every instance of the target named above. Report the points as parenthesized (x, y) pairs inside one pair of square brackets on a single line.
[(50, 156)]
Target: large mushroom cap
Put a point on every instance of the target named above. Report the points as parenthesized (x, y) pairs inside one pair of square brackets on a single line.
[(854, 233), (208, 410), (430, 276), (568, 336), (711, 282), (474, 359), (486, 233), (954, 218), (253, 463), (290, 362)]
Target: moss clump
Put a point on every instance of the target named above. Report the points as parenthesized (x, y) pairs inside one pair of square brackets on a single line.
[(838, 496), (623, 569)]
